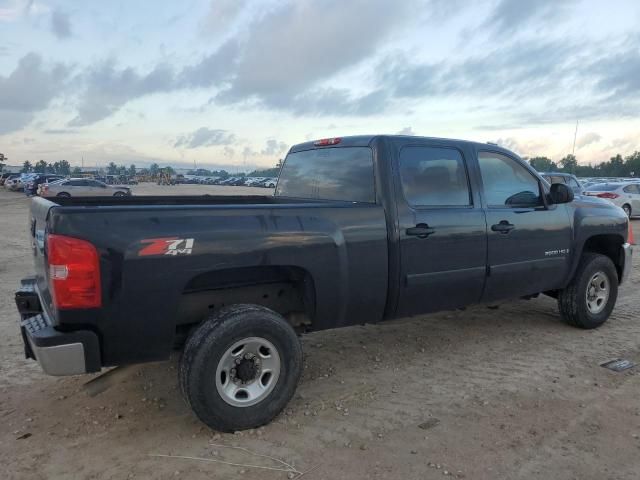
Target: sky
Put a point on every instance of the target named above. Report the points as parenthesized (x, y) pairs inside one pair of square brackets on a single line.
[(234, 83)]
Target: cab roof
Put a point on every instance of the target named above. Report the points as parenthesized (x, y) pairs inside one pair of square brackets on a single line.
[(366, 140)]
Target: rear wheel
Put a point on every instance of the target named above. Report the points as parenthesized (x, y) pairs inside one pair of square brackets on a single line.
[(119, 194), (63, 194), (240, 367), (627, 209), (589, 299)]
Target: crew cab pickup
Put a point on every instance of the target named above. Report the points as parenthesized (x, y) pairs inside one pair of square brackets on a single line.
[(360, 229)]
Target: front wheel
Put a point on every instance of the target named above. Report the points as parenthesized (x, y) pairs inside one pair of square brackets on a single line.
[(240, 367), (119, 194), (627, 209), (63, 194), (589, 299)]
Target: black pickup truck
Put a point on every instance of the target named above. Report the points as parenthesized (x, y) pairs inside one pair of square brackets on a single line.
[(360, 229)]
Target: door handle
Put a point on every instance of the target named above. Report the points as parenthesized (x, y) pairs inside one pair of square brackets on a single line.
[(503, 227), (421, 230)]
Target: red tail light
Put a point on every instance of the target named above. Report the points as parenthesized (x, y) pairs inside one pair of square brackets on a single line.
[(608, 195), (327, 141), (74, 273)]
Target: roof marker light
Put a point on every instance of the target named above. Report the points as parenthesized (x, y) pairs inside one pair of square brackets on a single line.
[(327, 141)]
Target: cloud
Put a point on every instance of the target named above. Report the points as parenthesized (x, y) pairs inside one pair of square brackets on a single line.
[(212, 69), (108, 89), (222, 14), (11, 121), (294, 47), (406, 131), (248, 152), (60, 131), (524, 148), (205, 137), (619, 73), (60, 24), (30, 88), (274, 147), (12, 10), (512, 15), (518, 69), (228, 152), (588, 139)]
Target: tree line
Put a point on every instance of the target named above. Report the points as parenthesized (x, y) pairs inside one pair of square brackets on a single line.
[(61, 167), (617, 166)]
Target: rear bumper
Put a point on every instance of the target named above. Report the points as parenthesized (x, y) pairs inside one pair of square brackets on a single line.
[(58, 353), (628, 261)]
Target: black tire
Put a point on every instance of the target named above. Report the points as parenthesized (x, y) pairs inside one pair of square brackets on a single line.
[(63, 194), (119, 194), (627, 209), (204, 350), (572, 301)]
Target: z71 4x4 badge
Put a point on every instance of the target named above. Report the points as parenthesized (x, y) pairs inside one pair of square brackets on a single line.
[(166, 246)]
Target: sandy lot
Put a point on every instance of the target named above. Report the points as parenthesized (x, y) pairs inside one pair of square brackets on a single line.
[(511, 393)]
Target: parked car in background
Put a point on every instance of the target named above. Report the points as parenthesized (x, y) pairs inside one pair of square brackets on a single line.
[(6, 177), (254, 181), (83, 187), (16, 184), (625, 195), (267, 183), (228, 181), (566, 178), (31, 187)]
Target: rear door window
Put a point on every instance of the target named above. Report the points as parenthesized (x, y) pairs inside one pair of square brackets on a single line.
[(434, 176), (337, 173)]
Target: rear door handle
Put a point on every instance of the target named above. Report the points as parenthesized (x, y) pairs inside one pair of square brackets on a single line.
[(503, 227), (421, 230)]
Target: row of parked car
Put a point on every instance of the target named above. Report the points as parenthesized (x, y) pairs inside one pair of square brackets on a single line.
[(27, 182), (265, 182), (57, 185), (623, 192)]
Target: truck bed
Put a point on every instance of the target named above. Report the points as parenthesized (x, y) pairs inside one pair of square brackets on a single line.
[(333, 253)]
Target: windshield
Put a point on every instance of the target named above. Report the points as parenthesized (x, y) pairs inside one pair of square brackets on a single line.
[(603, 187), (342, 173)]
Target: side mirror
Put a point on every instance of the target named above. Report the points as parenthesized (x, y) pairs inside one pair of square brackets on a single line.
[(560, 193)]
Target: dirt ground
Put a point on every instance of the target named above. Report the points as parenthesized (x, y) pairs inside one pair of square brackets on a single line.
[(511, 393)]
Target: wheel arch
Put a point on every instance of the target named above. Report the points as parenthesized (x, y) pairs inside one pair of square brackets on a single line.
[(608, 244), (287, 290)]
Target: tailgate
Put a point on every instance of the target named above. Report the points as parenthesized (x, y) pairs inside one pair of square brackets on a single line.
[(38, 216)]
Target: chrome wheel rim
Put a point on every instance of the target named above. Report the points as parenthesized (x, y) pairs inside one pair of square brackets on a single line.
[(597, 292), (248, 371)]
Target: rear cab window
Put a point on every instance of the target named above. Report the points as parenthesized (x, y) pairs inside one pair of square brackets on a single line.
[(329, 173)]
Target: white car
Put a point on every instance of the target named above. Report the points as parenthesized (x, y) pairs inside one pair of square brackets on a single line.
[(625, 195), (17, 184)]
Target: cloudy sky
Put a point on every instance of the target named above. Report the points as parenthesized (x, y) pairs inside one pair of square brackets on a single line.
[(234, 83)]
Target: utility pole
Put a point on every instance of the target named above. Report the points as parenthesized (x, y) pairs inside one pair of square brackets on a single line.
[(575, 135)]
